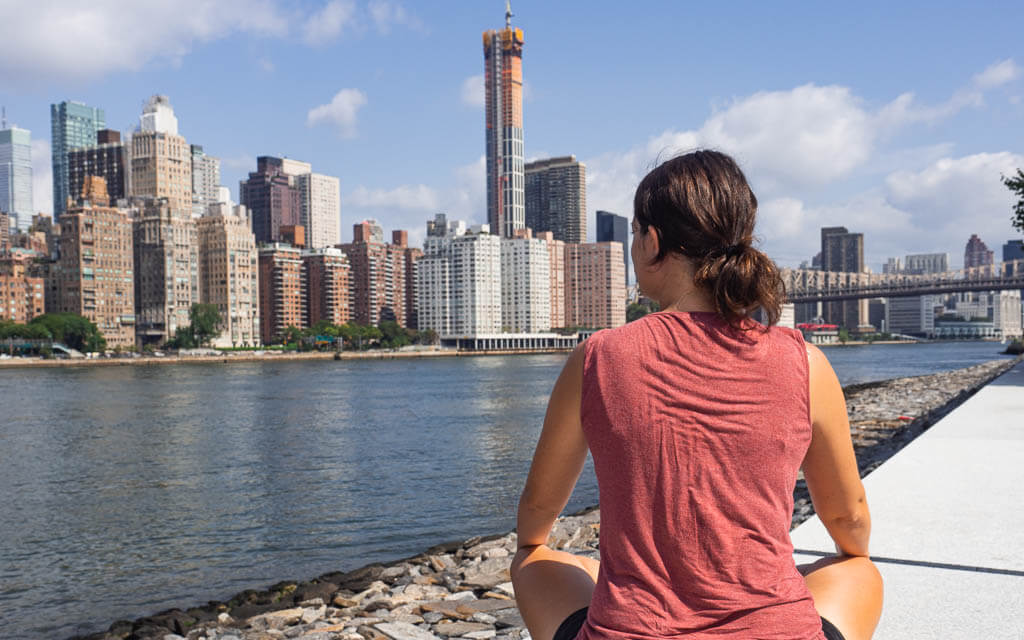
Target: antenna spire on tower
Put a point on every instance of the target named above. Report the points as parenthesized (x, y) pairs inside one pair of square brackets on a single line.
[(508, 14)]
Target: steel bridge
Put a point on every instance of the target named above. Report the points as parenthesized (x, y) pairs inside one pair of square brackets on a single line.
[(808, 285)]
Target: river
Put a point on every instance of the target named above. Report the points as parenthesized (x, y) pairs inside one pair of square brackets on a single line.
[(128, 490)]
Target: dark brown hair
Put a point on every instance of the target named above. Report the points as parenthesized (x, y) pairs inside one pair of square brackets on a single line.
[(701, 206)]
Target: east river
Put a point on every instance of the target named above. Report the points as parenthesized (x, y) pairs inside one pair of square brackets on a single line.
[(128, 490)]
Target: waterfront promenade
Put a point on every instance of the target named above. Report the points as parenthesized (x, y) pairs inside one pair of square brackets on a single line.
[(947, 523)]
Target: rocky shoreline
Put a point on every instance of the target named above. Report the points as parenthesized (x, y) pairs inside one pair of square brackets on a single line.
[(462, 589)]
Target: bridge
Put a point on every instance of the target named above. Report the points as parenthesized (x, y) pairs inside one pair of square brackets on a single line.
[(809, 285)]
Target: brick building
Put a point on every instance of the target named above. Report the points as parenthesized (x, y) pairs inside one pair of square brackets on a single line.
[(22, 292), (328, 293), (378, 273), (228, 268), (595, 286), (94, 275), (282, 287)]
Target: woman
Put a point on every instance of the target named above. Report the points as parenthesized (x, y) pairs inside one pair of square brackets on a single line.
[(698, 419)]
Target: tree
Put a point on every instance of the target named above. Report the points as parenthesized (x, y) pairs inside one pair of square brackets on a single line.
[(205, 323), (73, 330), (393, 336), (1016, 185), (844, 335)]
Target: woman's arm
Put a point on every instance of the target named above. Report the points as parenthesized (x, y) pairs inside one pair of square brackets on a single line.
[(559, 457), (830, 467)]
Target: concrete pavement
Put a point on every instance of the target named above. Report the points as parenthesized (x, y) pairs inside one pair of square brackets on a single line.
[(948, 523)]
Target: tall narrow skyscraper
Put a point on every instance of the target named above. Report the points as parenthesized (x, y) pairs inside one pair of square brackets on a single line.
[(72, 125), (16, 176), (503, 103), (612, 227)]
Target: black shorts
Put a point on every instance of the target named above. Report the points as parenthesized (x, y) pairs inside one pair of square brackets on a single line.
[(571, 626)]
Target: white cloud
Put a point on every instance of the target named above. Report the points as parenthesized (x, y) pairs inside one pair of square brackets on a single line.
[(417, 197), (385, 14), (42, 176), (44, 40), (328, 23), (473, 91), (997, 74), (341, 112)]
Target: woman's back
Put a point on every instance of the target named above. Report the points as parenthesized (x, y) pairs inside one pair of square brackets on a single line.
[(697, 431)]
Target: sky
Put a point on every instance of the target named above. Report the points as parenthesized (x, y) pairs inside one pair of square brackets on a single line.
[(896, 120)]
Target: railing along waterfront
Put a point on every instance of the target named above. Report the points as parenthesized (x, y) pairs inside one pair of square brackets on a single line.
[(810, 285)]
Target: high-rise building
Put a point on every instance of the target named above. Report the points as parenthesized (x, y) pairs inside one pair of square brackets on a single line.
[(72, 125), (228, 268), (107, 159), (319, 208), (843, 251), (161, 159), (16, 176), (94, 275), (525, 284), (977, 254), (22, 294), (922, 263), (1013, 250), (400, 238), (595, 286), (891, 266), (166, 270), (556, 198), (612, 227), (205, 181), (503, 106), (5, 230), (158, 116), (272, 199), (328, 294), (556, 270), (378, 275), (282, 284), (459, 280)]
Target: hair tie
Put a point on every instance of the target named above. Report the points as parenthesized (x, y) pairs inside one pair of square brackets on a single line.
[(734, 250)]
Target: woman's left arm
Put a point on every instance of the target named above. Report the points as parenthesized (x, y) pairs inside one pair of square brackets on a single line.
[(559, 457)]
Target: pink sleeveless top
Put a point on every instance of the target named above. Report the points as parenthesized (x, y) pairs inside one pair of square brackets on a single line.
[(697, 433)]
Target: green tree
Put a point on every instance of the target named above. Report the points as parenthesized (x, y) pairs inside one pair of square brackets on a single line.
[(393, 336), (205, 323), (844, 335), (73, 330), (1016, 185)]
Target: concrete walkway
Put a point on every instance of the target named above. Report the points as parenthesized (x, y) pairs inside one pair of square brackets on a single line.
[(948, 523)]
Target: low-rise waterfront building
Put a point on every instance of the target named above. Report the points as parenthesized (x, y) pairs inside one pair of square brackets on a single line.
[(595, 285), (93, 276), (228, 268)]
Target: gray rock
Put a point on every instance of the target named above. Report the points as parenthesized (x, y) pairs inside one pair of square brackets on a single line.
[(403, 631), (452, 629)]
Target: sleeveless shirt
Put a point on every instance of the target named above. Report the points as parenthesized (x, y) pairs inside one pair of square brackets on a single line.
[(697, 432)]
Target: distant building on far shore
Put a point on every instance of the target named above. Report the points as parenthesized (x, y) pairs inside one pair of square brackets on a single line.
[(595, 285), (556, 198), (228, 270), (612, 227)]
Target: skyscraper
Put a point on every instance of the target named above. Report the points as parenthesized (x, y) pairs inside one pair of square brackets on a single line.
[(106, 159), (612, 227), (228, 268), (72, 125), (319, 208), (977, 253), (161, 159), (525, 284), (16, 176), (503, 104), (272, 199), (205, 181), (844, 252), (556, 198)]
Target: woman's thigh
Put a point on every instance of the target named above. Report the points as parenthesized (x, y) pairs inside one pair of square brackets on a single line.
[(549, 586), (847, 591)]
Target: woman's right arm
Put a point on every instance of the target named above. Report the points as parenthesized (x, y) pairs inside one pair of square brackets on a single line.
[(830, 466)]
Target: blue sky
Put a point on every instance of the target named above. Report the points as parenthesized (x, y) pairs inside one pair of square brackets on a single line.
[(893, 119)]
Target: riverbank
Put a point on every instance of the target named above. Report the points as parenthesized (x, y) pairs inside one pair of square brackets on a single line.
[(229, 357), (462, 589)]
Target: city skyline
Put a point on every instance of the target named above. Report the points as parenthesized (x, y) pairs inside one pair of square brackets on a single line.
[(903, 140)]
